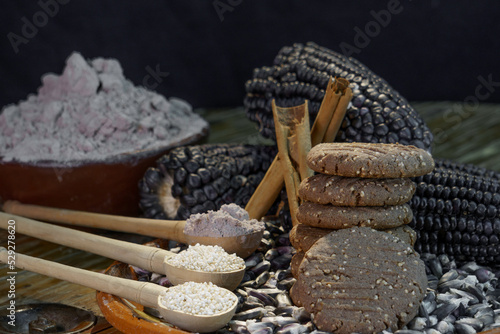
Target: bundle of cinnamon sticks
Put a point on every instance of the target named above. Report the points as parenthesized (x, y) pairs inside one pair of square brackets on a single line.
[(294, 141)]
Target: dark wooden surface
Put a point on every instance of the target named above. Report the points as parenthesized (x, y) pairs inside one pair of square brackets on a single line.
[(465, 135)]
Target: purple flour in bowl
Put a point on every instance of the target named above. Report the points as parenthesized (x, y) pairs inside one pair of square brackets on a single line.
[(92, 113), (87, 138)]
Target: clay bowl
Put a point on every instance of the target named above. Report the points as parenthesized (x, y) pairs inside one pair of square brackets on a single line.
[(109, 186)]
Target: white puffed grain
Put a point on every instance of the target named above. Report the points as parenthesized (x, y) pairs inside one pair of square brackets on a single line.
[(198, 298), (207, 258)]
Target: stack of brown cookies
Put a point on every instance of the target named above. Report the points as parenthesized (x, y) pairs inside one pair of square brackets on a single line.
[(361, 188), (359, 184)]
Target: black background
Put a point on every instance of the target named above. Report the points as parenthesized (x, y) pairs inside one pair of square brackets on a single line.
[(431, 50)]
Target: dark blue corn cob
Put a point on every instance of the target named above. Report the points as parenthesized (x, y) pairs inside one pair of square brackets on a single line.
[(195, 179), (456, 212), (377, 114)]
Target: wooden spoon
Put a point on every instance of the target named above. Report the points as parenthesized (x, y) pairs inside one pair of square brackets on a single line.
[(149, 258), (144, 293), (242, 245)]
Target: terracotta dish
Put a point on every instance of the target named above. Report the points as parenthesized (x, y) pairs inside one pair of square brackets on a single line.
[(105, 187)]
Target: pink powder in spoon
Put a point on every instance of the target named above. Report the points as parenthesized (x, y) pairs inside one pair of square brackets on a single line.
[(91, 112), (230, 220)]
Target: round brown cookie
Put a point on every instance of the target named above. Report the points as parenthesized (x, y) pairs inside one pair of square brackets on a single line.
[(295, 263), (338, 217), (369, 160), (303, 236), (360, 280), (356, 191)]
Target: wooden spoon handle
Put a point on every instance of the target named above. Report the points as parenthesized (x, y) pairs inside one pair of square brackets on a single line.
[(165, 229), (149, 258), (144, 293)]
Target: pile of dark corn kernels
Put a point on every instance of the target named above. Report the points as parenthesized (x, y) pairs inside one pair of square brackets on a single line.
[(463, 298)]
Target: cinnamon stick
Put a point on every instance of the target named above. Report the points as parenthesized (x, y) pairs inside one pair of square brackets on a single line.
[(340, 111), (267, 191), (293, 138), (326, 111)]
